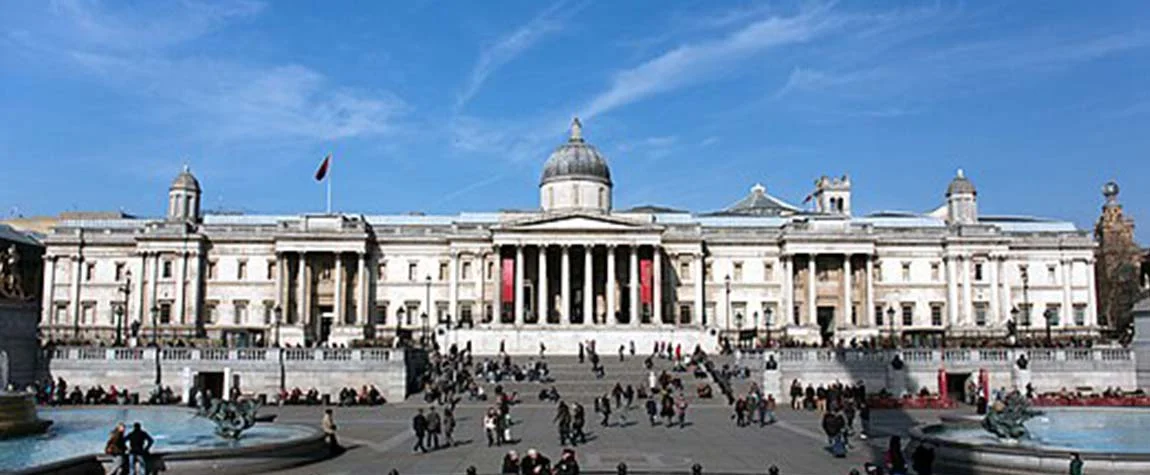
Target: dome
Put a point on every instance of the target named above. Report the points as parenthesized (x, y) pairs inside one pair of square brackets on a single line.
[(186, 181), (576, 159), (960, 185)]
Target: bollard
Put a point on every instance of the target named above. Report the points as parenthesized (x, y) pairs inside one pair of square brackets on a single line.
[(773, 470), (621, 469), (696, 469), (855, 471), (472, 470)]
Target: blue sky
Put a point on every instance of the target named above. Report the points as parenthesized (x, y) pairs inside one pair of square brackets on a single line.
[(453, 106)]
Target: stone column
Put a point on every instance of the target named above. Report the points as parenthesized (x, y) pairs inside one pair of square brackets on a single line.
[(1007, 299), (363, 294), (480, 266), (786, 313), (951, 291), (612, 283), (301, 289), (542, 304), (140, 276), (181, 286), (967, 292), (565, 285), (519, 284), (588, 284), (1067, 302), (195, 280), (340, 291), (1091, 305), (47, 313), (848, 307), (279, 280), (453, 286), (995, 308), (812, 307), (154, 295), (700, 299), (497, 294), (634, 290), (869, 310), (657, 281)]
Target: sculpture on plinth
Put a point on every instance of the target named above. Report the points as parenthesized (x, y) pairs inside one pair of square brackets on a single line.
[(231, 418), (1006, 418)]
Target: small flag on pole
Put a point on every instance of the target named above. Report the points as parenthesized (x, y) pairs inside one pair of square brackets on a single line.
[(805, 200), (322, 171)]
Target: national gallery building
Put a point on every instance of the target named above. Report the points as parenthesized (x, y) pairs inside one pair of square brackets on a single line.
[(574, 269)]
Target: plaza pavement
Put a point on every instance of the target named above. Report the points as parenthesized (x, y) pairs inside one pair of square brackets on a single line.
[(379, 439)]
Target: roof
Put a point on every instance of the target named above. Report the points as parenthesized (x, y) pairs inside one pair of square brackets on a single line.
[(10, 234), (576, 159), (758, 203), (186, 181), (960, 185)]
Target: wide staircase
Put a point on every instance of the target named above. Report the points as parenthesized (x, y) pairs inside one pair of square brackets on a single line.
[(576, 382)]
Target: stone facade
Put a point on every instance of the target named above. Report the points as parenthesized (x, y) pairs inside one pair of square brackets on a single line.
[(1119, 266), (574, 268)]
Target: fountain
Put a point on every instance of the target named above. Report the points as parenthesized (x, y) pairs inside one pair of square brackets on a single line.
[(18, 416), (1014, 439)]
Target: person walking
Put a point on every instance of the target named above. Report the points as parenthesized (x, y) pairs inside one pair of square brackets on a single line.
[(578, 421), (328, 426), (434, 427), (419, 426), (563, 423), (139, 446), (652, 410), (1076, 464), (668, 411), (681, 411), (796, 394), (771, 406), (117, 447), (864, 419), (449, 427), (605, 407), (490, 427), (581, 355), (894, 459)]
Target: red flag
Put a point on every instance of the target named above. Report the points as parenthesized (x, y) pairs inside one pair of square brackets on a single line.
[(805, 200), (322, 171)]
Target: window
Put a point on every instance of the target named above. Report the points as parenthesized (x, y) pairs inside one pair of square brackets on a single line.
[(88, 313), (1024, 272), (978, 272), (441, 314), (1024, 310), (685, 313), (738, 271), (89, 271), (269, 312), (325, 272), (210, 311), (877, 272), (1055, 312), (166, 272), (380, 317), (935, 273), (165, 316), (908, 314), (465, 273), (119, 271), (936, 314), (381, 271), (412, 270), (980, 310), (211, 269), (242, 270), (707, 274), (768, 272), (1079, 314), (878, 316), (602, 198), (271, 272), (442, 271), (906, 272), (465, 312), (1051, 274), (490, 270), (61, 313), (854, 314), (241, 314), (684, 269)]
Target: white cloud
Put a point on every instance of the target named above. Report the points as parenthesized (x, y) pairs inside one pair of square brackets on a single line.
[(147, 25), (692, 63), (511, 46)]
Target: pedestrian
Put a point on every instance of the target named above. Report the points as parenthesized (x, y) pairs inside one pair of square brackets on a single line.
[(580, 352), (535, 463), (490, 428), (328, 425), (771, 405), (621, 350), (567, 464), (632, 342), (117, 447), (740, 412), (652, 410), (449, 427), (894, 459), (605, 407), (139, 446), (434, 427), (563, 422), (1076, 464), (681, 411), (578, 421), (542, 350), (923, 460), (510, 463), (629, 395), (419, 426), (617, 393), (864, 419), (668, 411)]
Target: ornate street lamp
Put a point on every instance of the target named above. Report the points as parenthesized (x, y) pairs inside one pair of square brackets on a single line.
[(890, 323), (770, 324), (426, 310), (119, 311), (126, 290), (279, 314), (156, 342), (727, 285), (1051, 319)]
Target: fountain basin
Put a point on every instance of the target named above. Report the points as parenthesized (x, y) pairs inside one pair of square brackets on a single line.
[(187, 443), (1109, 440), (18, 416)]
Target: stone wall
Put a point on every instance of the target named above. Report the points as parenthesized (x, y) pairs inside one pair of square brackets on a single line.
[(258, 370)]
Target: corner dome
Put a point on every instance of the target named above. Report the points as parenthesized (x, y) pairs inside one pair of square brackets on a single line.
[(576, 160), (186, 181), (960, 185)]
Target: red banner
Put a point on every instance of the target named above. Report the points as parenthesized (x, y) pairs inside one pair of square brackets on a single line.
[(645, 287), (942, 384), (508, 284)]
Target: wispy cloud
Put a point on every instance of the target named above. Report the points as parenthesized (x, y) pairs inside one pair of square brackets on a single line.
[(695, 62), (147, 25), (512, 45)]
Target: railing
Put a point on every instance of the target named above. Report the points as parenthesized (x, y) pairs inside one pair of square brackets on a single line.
[(954, 356), (226, 354)]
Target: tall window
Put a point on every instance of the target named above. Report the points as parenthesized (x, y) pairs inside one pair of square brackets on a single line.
[(465, 312), (380, 313), (119, 271), (166, 272), (211, 269), (241, 315), (738, 272), (685, 313), (88, 313), (935, 272), (412, 271), (1051, 274), (490, 270), (684, 269), (908, 314), (271, 272), (768, 272), (1079, 314), (61, 313), (978, 276), (980, 311), (936, 314), (210, 308), (242, 270), (442, 271), (878, 272), (90, 272), (269, 311), (602, 198), (879, 318), (906, 272), (165, 312), (466, 271)]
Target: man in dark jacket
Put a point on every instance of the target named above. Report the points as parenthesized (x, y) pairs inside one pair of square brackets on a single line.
[(578, 420), (419, 425), (434, 427), (139, 445), (567, 464), (535, 463)]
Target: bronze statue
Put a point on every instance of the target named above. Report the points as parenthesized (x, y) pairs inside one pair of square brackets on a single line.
[(231, 418), (11, 280), (1006, 418)]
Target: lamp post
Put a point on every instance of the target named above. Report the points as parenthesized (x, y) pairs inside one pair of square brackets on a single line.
[(126, 290), (398, 323), (770, 324), (426, 310), (279, 314), (155, 311), (727, 286), (1051, 318), (890, 323), (1026, 296), (1012, 325)]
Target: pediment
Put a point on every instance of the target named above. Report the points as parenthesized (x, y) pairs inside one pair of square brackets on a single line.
[(577, 223)]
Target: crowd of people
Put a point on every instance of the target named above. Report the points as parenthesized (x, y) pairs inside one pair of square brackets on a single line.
[(57, 392)]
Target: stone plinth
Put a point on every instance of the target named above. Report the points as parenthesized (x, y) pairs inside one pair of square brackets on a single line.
[(1141, 345), (18, 416), (18, 342)]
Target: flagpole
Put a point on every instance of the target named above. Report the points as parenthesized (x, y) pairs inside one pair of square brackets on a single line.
[(329, 175)]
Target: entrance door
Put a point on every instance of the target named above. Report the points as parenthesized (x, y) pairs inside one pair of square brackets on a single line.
[(212, 381), (327, 314), (956, 385), (826, 321)]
